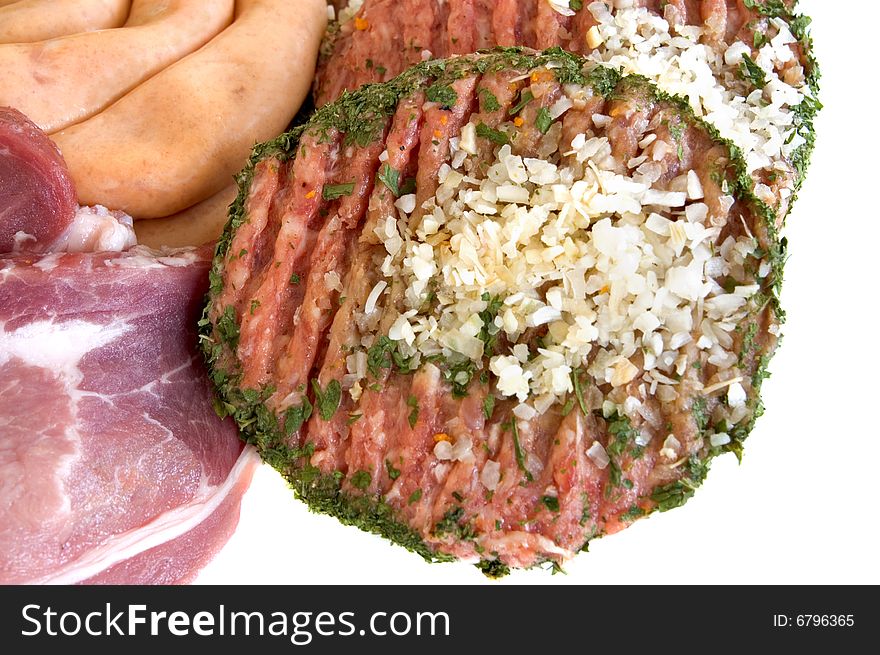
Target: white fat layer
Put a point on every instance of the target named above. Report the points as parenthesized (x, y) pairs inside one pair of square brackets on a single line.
[(93, 229), (163, 529), (97, 229), (143, 257), (58, 346), (21, 240)]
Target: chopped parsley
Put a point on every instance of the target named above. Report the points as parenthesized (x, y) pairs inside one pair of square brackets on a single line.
[(748, 342), (327, 401), (489, 101), (578, 393), (390, 177), (459, 375), (385, 354), (254, 305), (409, 186), (393, 473), (677, 493), (633, 513), (759, 40), (294, 417), (489, 332), (451, 524), (676, 129), (750, 71), (361, 480), (488, 406), (227, 327), (551, 503), (524, 98), (295, 279), (334, 191), (414, 497), (443, 94), (614, 478), (585, 513), (700, 413), (517, 449), (413, 403), (543, 121), (770, 8), (605, 79), (495, 136), (493, 568), (622, 433)]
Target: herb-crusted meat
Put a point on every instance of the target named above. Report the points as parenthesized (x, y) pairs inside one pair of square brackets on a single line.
[(374, 40), (746, 66), (495, 307)]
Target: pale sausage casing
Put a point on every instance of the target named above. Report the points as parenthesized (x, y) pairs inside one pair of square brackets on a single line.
[(194, 226), (63, 81), (36, 20), (180, 137)]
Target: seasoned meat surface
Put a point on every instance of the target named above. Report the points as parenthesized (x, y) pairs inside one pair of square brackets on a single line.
[(747, 68), (385, 37), (508, 400)]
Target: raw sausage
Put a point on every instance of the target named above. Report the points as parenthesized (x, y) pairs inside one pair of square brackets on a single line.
[(63, 81), (195, 226), (179, 137), (36, 20)]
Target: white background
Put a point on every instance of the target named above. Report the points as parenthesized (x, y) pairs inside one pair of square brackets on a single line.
[(803, 506)]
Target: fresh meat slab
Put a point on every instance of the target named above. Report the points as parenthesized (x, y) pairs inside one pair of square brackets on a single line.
[(496, 307), (113, 465)]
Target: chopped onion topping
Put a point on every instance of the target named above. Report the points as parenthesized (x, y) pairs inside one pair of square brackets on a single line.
[(370, 305), (597, 453)]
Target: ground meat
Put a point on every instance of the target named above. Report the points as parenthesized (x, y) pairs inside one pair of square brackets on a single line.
[(288, 306), (388, 36)]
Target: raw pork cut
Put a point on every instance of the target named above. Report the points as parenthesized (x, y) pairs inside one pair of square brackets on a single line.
[(37, 198), (113, 465), (38, 209)]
